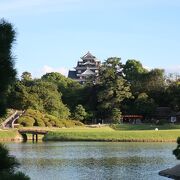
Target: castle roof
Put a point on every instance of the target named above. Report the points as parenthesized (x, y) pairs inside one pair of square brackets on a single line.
[(87, 56), (87, 72)]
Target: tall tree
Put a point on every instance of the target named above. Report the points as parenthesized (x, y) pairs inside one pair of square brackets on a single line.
[(80, 113), (173, 95), (71, 90), (144, 105), (132, 69), (113, 88), (134, 73), (7, 71), (26, 76), (39, 95)]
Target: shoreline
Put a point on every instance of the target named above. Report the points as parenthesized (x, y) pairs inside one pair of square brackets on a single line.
[(90, 140), (108, 140), (103, 134)]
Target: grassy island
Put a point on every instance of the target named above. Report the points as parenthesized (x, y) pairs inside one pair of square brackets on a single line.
[(110, 134), (118, 133), (9, 135)]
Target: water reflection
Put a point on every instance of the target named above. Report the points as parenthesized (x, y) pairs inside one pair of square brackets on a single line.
[(94, 160)]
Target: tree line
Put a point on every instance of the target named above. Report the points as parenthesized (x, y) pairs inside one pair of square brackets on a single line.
[(119, 89)]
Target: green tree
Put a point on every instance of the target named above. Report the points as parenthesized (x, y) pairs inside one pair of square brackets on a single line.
[(7, 71), (173, 95), (80, 113), (8, 166), (143, 80), (132, 69), (38, 95), (176, 151), (113, 88), (144, 105), (26, 76), (116, 115), (71, 91), (154, 80)]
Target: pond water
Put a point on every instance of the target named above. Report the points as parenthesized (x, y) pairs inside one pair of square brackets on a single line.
[(93, 160)]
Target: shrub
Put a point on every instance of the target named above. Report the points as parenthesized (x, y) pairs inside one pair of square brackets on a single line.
[(78, 123), (80, 113), (52, 122), (59, 124), (8, 165), (26, 121), (36, 118), (39, 122), (116, 115), (68, 123), (176, 151), (48, 124)]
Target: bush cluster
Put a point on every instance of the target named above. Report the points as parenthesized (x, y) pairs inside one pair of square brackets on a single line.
[(36, 118)]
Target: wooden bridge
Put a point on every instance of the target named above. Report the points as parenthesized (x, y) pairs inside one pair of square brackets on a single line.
[(34, 132)]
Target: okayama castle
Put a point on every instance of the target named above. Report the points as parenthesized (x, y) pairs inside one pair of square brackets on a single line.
[(87, 66)]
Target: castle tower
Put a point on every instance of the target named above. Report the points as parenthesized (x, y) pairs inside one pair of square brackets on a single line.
[(87, 66)]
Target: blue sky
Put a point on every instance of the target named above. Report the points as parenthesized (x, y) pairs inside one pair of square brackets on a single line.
[(53, 34)]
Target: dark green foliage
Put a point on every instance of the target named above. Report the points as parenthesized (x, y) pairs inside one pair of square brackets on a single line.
[(7, 162), (7, 71), (113, 88), (176, 151), (173, 93), (80, 113), (144, 105), (8, 165), (115, 115), (36, 118), (77, 123), (132, 69), (26, 121), (26, 76), (143, 80), (4, 175), (38, 95), (39, 122), (71, 91)]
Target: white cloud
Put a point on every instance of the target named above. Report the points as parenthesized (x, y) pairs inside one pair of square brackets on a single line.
[(48, 69)]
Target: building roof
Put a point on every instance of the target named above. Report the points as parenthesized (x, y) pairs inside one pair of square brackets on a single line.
[(87, 72), (89, 63), (72, 74), (88, 55)]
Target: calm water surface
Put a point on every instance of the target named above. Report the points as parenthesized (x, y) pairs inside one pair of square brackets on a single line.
[(93, 160)]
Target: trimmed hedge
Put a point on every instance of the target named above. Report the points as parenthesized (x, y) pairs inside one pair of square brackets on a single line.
[(36, 118)]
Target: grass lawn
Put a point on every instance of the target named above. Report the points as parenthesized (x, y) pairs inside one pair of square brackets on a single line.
[(7, 135), (109, 134), (135, 127), (122, 132)]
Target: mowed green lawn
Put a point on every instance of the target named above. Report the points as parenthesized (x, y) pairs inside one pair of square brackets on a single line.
[(8, 134), (122, 132), (109, 134), (134, 127)]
